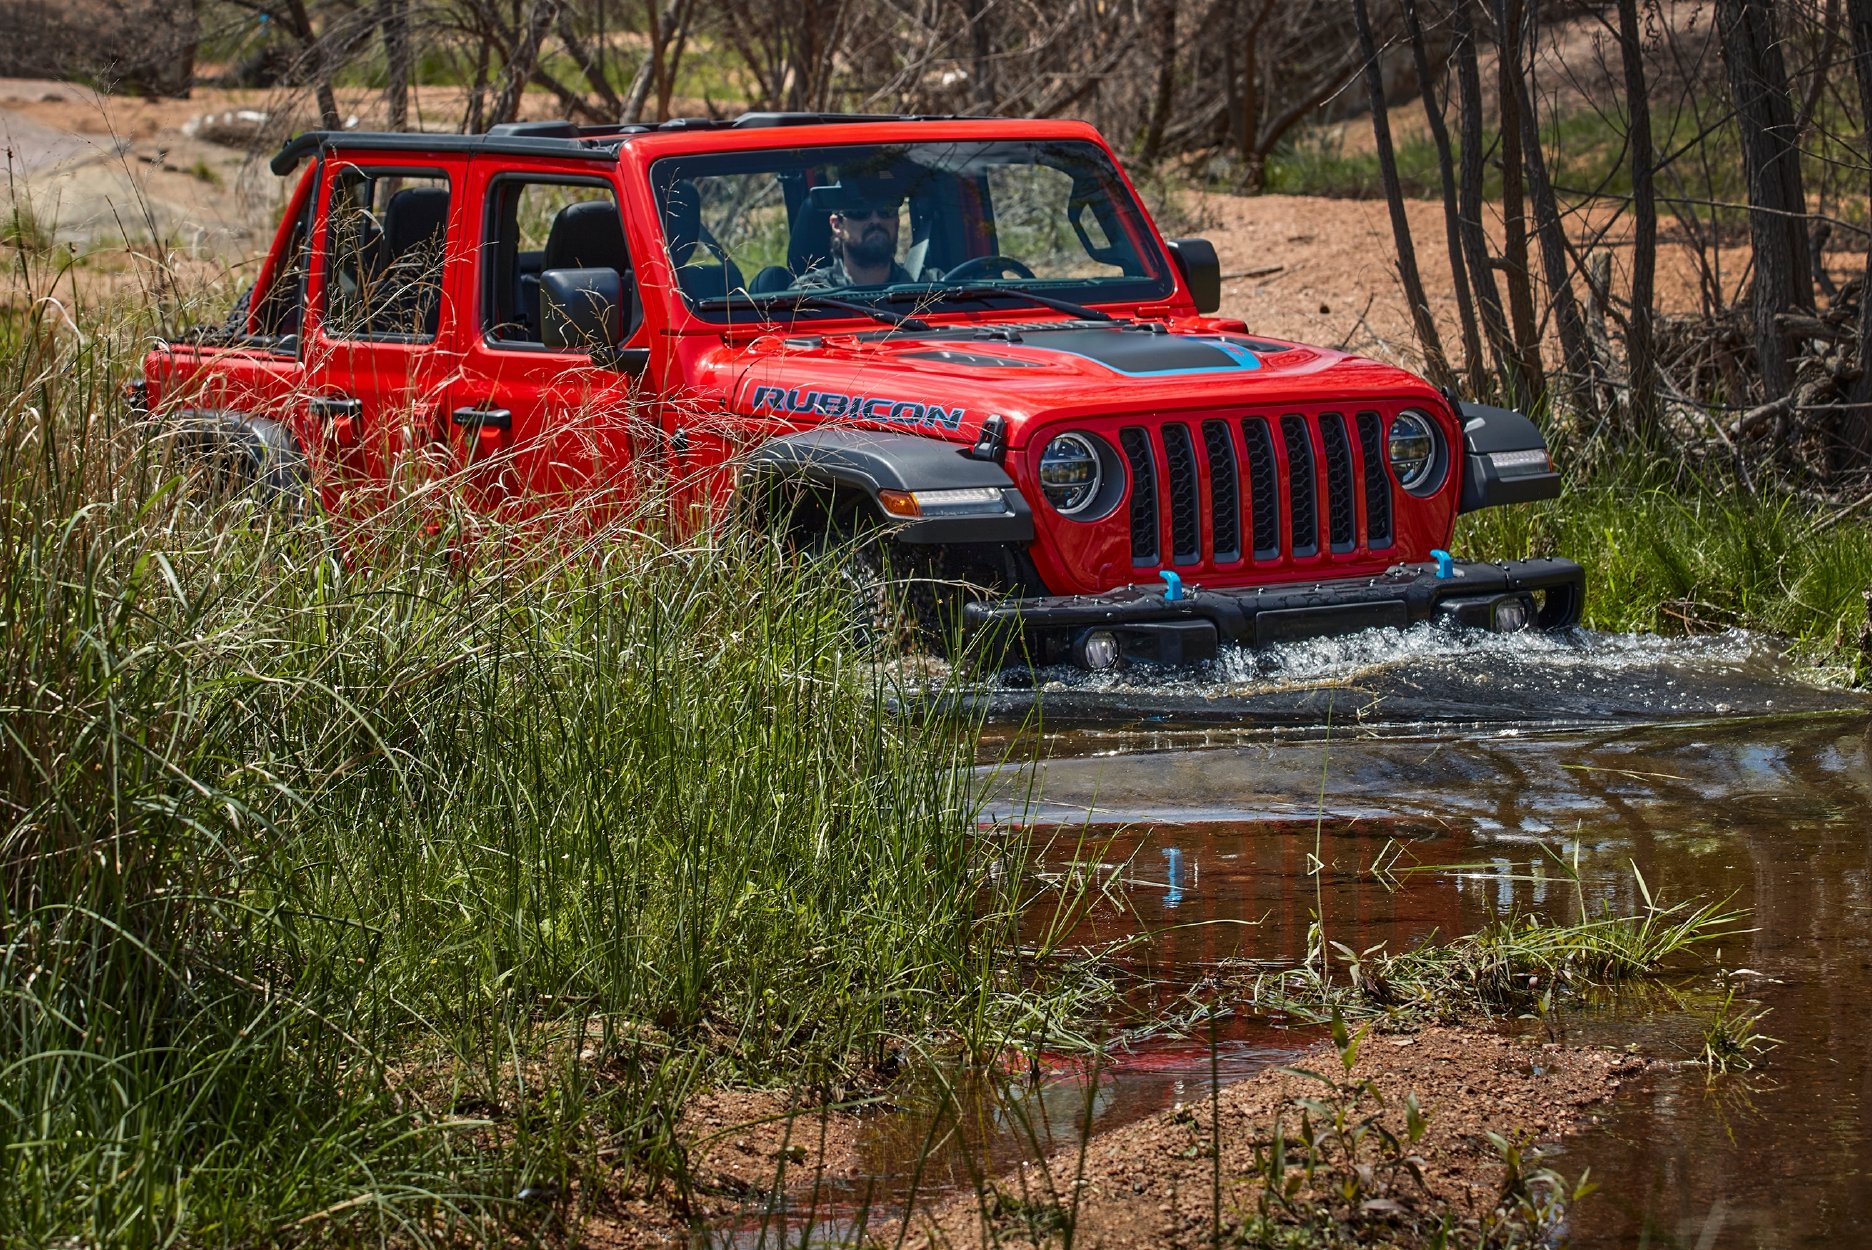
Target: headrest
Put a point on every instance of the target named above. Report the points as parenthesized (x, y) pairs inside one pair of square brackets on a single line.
[(414, 216), (682, 218), (587, 235)]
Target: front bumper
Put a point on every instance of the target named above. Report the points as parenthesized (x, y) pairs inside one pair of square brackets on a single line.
[(1146, 625)]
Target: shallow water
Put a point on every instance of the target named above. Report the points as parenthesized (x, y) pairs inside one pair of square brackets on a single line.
[(1454, 785)]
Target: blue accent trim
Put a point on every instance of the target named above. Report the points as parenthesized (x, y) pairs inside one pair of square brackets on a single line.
[(1173, 585), (1244, 360), (1444, 561), (1175, 856)]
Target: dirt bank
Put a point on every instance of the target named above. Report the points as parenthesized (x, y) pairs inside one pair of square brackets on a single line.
[(1149, 1184), (1152, 1184), (742, 1148)]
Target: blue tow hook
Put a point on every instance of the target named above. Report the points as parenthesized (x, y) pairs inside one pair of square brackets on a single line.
[(1444, 562), (1173, 585)]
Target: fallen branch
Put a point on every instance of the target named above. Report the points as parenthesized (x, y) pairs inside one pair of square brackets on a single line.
[(1821, 527), (1755, 418), (1262, 272)]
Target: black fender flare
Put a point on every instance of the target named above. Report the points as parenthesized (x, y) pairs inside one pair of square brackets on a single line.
[(252, 454), (1505, 459), (865, 462)]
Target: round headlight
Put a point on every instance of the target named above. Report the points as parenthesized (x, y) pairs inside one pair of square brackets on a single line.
[(1412, 449), (1070, 473)]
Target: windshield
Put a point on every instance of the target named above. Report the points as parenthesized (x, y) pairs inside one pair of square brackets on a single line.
[(917, 222)]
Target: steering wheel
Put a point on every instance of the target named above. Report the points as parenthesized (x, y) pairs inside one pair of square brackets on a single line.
[(996, 265)]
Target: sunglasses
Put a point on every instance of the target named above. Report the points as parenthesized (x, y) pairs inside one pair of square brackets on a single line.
[(875, 212)]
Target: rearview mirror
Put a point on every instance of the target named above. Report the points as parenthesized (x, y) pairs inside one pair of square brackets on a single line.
[(1202, 272), (585, 309)]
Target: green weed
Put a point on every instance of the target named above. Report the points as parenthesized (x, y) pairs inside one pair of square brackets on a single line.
[(403, 888), (1733, 1040), (1348, 1175), (1515, 965)]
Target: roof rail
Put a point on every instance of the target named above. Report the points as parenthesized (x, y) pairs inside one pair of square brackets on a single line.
[(562, 138), (596, 147)]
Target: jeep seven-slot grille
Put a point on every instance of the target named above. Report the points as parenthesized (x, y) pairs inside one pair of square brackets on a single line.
[(1341, 524), (1224, 493), (1231, 497), (1377, 484), (1302, 486), (1185, 495), (1263, 488), (1137, 450)]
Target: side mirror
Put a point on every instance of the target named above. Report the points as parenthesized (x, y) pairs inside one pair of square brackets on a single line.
[(1202, 272), (585, 309)]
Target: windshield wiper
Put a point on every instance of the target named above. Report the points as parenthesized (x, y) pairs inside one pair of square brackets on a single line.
[(796, 300), (940, 293)]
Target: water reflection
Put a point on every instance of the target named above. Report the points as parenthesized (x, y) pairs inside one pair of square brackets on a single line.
[(1428, 834)]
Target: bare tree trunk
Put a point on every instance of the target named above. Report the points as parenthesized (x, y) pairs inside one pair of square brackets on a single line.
[(1581, 364), (522, 58), (1164, 14), (473, 117), (1856, 428), (1515, 268), (1248, 119), (676, 41), (1640, 347), (1435, 363), (667, 26), (1474, 238), (591, 64), (319, 72), (1473, 362), (1822, 68), (393, 23), (981, 49), (1771, 158)]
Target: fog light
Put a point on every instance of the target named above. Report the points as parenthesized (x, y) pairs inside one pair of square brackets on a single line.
[(1511, 616), (1096, 649)]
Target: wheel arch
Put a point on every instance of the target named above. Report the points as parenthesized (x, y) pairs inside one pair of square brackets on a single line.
[(838, 473)]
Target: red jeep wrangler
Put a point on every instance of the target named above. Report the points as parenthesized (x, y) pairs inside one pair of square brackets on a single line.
[(965, 330)]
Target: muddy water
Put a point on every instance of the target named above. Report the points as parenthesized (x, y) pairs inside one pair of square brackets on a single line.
[(1401, 789)]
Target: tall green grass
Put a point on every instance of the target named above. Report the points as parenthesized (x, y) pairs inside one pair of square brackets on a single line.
[(1671, 554), (407, 897)]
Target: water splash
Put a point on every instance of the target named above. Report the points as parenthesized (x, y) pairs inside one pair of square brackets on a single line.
[(1433, 675)]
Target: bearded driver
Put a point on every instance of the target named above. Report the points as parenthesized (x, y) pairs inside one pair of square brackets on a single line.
[(864, 238)]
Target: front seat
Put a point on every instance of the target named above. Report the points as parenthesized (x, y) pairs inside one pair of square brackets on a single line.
[(702, 268), (407, 295), (585, 235)]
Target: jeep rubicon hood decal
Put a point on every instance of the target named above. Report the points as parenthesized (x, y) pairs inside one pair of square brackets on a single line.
[(1134, 351)]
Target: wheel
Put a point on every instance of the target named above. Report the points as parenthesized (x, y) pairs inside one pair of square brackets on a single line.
[(989, 266), (229, 455), (877, 603)]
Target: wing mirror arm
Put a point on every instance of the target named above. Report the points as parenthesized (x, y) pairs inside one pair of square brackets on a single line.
[(632, 360)]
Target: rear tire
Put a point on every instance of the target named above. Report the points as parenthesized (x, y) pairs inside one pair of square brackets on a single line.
[(229, 456)]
